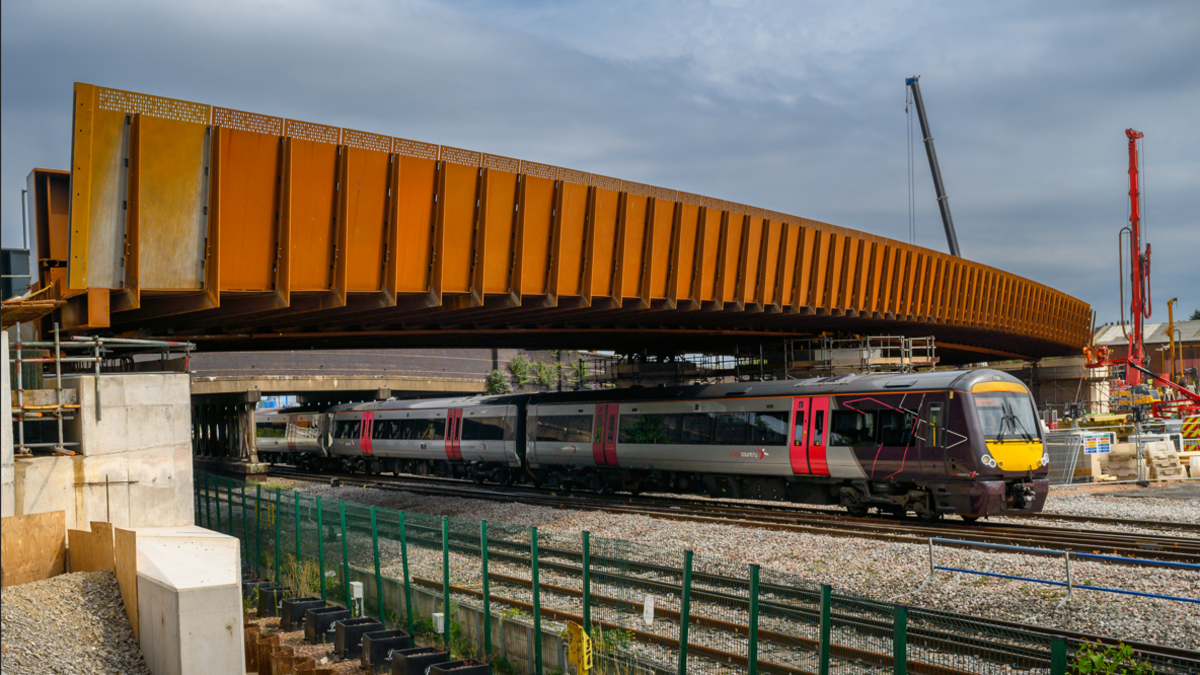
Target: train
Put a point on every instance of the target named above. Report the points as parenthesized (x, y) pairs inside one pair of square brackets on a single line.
[(967, 443)]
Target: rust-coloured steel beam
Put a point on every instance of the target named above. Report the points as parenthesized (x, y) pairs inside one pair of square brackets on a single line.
[(193, 219)]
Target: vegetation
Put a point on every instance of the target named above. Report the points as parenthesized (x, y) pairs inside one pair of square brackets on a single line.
[(521, 369), (497, 383), (1195, 316), (1102, 660)]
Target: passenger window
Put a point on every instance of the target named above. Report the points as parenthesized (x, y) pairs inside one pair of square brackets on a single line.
[(798, 439), (819, 428)]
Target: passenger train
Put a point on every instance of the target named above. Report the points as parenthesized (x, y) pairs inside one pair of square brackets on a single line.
[(967, 443)]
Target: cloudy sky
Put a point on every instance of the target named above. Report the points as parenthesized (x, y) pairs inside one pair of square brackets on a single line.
[(792, 106)]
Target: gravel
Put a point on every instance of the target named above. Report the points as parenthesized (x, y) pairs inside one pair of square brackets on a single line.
[(884, 570), (72, 623)]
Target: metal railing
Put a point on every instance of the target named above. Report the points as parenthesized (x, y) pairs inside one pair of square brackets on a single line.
[(70, 357)]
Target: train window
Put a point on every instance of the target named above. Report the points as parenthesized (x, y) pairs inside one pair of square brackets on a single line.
[(483, 429), (852, 427), (642, 429), (270, 429), (895, 427), (564, 428), (819, 428), (429, 429), (732, 429), (385, 429), (347, 429), (770, 428), (696, 429), (798, 438)]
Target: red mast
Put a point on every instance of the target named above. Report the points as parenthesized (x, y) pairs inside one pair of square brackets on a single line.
[(1139, 269)]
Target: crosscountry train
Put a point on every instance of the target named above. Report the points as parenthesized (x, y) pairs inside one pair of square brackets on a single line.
[(959, 442)]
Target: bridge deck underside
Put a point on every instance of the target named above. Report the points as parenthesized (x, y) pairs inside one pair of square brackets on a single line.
[(248, 231)]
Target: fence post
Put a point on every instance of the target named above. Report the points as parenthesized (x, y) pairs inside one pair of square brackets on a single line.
[(826, 602), (537, 603), (900, 641), (487, 592), (407, 585), (207, 501), (278, 531), (1058, 656), (685, 607), (587, 582), (217, 497), (378, 576), (321, 545), (258, 530), (752, 656), (229, 494), (446, 582), (245, 525), (298, 538), (345, 556)]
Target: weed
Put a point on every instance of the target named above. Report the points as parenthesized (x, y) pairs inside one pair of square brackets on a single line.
[(1101, 660)]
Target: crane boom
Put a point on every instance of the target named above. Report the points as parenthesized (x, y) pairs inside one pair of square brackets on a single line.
[(942, 200)]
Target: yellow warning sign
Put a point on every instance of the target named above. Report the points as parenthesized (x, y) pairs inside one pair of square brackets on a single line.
[(579, 648)]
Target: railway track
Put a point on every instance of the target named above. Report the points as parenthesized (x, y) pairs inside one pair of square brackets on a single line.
[(792, 609), (1167, 547)]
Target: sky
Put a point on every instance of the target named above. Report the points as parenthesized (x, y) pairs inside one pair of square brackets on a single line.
[(793, 106)]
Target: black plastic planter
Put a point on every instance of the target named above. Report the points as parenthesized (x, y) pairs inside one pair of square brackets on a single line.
[(468, 667), (414, 661), (377, 649), (270, 599), (291, 612), (348, 634), (249, 586), (318, 623)]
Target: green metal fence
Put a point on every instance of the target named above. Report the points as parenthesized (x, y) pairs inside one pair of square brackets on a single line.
[(508, 592)]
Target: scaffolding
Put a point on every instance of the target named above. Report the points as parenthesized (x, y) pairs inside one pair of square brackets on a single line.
[(785, 360), (38, 405)]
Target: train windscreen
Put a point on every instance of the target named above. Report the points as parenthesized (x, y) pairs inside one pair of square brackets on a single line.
[(1007, 416)]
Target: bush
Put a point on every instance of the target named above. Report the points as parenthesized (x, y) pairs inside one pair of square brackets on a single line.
[(497, 383)]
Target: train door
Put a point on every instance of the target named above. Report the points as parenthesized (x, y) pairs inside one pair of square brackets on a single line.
[(454, 433), (934, 447), (810, 424), (364, 437), (798, 447), (604, 435), (818, 435)]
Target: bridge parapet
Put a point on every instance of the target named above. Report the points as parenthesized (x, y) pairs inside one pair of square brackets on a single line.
[(244, 230)]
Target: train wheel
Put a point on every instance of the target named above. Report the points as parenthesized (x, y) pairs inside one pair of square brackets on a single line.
[(857, 510)]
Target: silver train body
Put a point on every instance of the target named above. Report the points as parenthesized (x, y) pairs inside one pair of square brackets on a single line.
[(965, 442)]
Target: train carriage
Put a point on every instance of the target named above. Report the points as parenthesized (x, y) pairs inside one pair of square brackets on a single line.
[(962, 442)]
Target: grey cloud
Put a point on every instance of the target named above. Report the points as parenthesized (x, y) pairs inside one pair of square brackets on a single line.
[(793, 107)]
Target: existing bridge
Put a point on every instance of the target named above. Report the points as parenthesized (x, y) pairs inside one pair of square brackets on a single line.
[(245, 231)]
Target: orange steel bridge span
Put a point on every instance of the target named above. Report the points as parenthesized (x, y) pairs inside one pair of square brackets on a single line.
[(246, 231)]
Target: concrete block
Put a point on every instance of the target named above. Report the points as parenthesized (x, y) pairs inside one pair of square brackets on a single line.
[(189, 601)]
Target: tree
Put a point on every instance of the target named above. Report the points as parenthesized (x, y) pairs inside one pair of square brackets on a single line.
[(1195, 316)]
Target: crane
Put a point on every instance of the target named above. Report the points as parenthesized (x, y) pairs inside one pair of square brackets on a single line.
[(942, 200)]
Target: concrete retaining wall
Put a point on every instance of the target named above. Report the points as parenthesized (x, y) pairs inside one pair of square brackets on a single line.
[(142, 444)]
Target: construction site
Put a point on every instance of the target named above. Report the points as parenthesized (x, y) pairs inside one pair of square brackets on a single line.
[(288, 397)]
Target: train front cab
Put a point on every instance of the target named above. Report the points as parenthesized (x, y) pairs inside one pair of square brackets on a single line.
[(1010, 471)]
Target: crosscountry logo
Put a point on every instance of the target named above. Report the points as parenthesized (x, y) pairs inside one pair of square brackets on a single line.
[(758, 454)]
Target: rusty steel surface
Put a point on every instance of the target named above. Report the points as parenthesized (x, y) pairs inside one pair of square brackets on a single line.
[(243, 230)]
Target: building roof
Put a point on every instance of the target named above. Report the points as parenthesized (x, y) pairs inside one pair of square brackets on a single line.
[(1156, 333)]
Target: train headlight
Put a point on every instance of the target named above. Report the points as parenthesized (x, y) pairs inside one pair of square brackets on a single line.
[(988, 461), (1045, 458)]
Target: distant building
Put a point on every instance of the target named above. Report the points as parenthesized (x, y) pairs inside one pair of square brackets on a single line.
[(1187, 333)]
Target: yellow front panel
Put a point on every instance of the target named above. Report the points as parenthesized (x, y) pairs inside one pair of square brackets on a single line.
[(1017, 455)]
